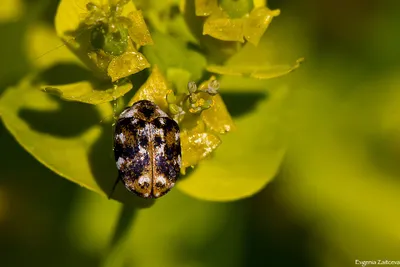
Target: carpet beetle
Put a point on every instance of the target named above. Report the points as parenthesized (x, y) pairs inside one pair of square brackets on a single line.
[(147, 150)]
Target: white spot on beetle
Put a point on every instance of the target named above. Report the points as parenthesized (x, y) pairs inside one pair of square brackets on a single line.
[(143, 179), (128, 113), (120, 161), (161, 179), (121, 137), (160, 150)]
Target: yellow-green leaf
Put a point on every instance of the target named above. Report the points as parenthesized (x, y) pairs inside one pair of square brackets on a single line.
[(197, 146), (11, 10), (221, 27), (126, 64), (44, 48), (246, 160), (205, 7), (217, 118), (179, 78), (89, 92), (236, 8), (66, 137), (235, 20), (139, 32), (264, 72), (257, 23)]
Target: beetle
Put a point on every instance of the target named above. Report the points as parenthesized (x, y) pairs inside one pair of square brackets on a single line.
[(147, 150)]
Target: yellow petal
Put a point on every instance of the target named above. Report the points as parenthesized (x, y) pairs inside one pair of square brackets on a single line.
[(221, 27), (139, 32), (217, 118), (154, 89), (197, 146), (126, 64), (205, 7), (257, 23)]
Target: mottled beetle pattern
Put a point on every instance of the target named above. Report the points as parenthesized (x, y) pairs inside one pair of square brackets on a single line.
[(147, 149)]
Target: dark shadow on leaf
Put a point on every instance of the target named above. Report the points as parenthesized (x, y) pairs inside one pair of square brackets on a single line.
[(137, 80), (64, 74), (125, 220), (240, 104), (104, 170), (384, 153), (14, 64), (44, 201), (71, 119), (273, 236), (49, 9)]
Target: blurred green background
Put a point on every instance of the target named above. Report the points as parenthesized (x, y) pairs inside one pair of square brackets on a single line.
[(336, 197)]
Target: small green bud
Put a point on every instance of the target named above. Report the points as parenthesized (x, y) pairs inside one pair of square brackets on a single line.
[(116, 42), (213, 87), (192, 87)]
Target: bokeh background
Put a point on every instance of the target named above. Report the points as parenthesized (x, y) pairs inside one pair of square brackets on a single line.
[(335, 199)]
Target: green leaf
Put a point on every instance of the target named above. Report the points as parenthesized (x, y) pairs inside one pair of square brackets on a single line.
[(205, 7), (257, 23), (220, 26), (235, 20), (249, 69), (44, 47), (139, 32), (177, 242), (167, 52), (66, 137), (255, 71), (217, 118), (179, 78), (126, 64), (87, 92), (246, 160), (43, 41)]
